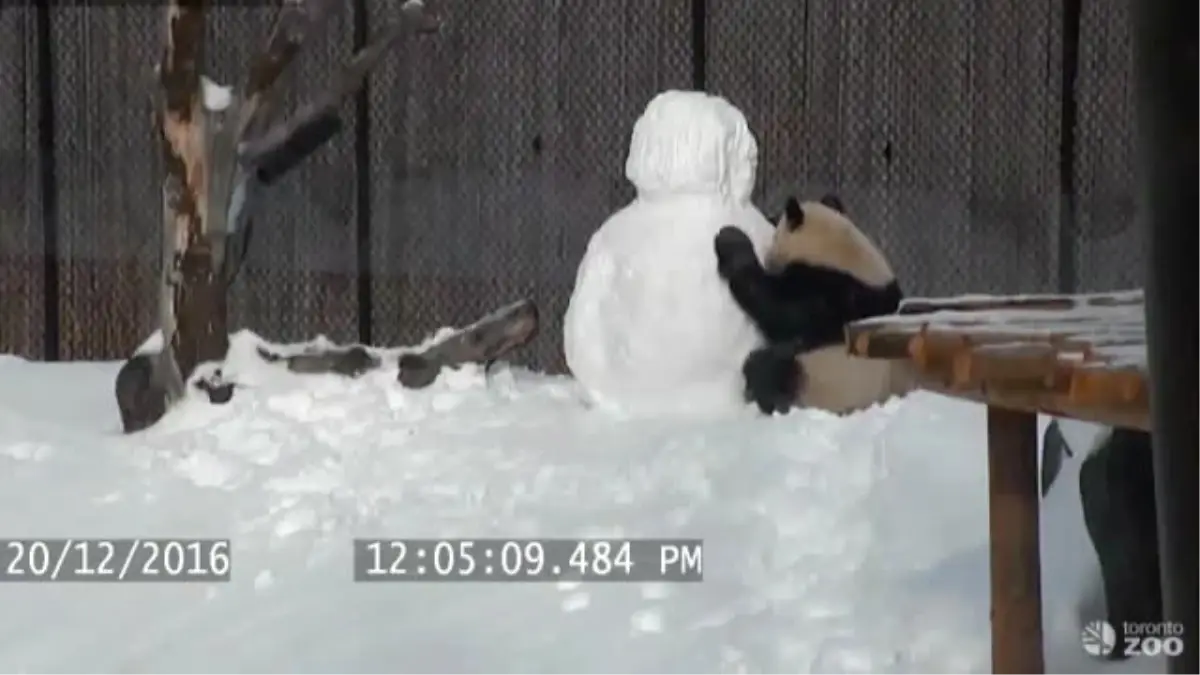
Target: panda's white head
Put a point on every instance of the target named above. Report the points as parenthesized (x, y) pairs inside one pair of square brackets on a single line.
[(820, 233)]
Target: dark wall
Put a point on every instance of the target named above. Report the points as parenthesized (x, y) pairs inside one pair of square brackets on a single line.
[(477, 164), (22, 277)]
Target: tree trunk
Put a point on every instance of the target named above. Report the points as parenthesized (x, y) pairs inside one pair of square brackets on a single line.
[(222, 151), (200, 327)]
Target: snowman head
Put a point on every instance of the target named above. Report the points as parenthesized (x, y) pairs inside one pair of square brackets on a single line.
[(690, 142)]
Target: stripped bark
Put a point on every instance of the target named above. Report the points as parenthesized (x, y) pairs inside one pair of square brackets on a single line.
[(222, 154)]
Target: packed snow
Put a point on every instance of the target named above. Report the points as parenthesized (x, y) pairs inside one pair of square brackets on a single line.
[(216, 97), (650, 326), (854, 544)]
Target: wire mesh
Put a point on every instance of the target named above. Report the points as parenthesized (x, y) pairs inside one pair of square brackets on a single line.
[(1110, 248), (498, 147), (935, 121), (22, 287), (301, 272), (109, 206)]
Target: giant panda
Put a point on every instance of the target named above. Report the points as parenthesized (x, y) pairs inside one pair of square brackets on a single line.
[(821, 273), (1116, 494)]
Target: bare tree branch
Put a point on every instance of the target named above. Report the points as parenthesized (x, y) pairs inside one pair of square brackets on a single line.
[(210, 192), (295, 22), (415, 18)]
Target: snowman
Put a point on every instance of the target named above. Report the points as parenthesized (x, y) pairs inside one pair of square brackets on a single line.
[(651, 327)]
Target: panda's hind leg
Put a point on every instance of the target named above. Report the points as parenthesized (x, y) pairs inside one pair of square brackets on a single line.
[(773, 377)]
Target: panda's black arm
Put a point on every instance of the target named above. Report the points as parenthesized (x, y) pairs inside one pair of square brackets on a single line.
[(782, 313)]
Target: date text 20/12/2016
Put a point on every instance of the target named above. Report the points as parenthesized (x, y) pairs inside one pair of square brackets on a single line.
[(530, 560)]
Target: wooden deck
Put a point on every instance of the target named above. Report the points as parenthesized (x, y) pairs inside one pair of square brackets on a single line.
[(1081, 356)]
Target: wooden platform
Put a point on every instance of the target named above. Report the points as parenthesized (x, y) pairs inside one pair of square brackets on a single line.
[(1080, 356)]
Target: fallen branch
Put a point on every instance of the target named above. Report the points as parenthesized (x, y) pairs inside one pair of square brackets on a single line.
[(351, 361), (484, 341)]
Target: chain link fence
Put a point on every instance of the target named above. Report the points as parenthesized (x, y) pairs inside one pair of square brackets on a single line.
[(498, 147), (22, 274), (486, 156), (937, 123), (1110, 246)]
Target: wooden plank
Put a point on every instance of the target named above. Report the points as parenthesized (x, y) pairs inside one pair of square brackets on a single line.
[(1013, 522), (1080, 356), (1031, 376), (1048, 301), (1049, 405)]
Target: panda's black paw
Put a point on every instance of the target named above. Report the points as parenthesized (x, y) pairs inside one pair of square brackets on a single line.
[(734, 251), (772, 379)]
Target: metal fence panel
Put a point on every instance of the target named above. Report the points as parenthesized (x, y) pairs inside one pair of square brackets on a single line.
[(22, 283), (301, 273), (497, 149), (299, 279), (106, 153), (936, 122), (1110, 250), (1013, 227)]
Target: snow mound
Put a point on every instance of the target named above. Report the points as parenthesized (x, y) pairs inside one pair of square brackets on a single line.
[(852, 544), (650, 326)]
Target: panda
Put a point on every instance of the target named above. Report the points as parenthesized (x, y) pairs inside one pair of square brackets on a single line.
[(1120, 514), (821, 273)]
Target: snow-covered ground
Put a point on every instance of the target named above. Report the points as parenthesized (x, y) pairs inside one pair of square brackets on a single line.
[(832, 545)]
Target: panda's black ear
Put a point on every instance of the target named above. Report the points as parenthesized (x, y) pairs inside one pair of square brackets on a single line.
[(793, 215), (834, 202)]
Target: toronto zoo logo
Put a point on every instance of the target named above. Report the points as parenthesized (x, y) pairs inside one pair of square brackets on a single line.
[(1099, 639)]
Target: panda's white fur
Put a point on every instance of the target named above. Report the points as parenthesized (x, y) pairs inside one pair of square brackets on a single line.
[(829, 238), (834, 379)]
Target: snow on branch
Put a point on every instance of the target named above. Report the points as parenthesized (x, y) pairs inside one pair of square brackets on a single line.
[(486, 340), (223, 149)]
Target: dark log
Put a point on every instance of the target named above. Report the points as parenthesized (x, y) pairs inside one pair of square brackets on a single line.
[(484, 341), (351, 361), (141, 399)]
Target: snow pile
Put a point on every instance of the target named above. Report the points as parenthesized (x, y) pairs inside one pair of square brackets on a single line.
[(650, 326), (831, 544)]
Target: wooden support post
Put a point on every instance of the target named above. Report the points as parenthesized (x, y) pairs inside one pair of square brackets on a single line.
[(1165, 68), (1016, 569)]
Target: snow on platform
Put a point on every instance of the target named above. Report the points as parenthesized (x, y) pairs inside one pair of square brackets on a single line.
[(832, 544), (1098, 329), (1081, 356)]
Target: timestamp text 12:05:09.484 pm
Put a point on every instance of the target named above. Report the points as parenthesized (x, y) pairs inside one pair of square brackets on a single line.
[(637, 560)]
